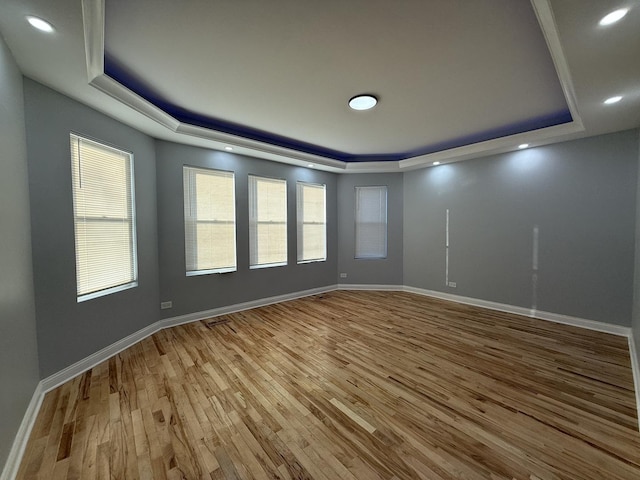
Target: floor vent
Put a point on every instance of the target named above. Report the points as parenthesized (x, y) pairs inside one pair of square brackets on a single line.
[(216, 322)]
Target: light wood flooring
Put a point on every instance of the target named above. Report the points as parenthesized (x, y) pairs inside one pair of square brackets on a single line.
[(349, 385)]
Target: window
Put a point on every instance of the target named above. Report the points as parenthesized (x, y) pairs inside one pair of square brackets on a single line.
[(371, 222), (104, 219), (311, 222), (209, 221), (267, 222)]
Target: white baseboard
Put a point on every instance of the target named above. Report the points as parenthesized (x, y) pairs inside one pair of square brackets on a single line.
[(94, 359), (15, 455), (372, 287), (12, 464), (72, 371), (238, 307), (527, 312), (635, 368)]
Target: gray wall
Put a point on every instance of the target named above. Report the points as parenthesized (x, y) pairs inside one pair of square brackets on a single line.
[(204, 292), (636, 280), (18, 349), (387, 271), (69, 331), (580, 194)]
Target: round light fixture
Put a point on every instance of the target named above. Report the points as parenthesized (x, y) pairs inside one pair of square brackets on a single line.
[(40, 24), (228, 149), (363, 102), (311, 165), (613, 17), (523, 146), (436, 163), (611, 100)]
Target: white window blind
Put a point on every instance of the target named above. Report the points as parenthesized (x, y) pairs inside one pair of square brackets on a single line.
[(209, 221), (104, 218), (311, 222), (267, 222), (371, 222)]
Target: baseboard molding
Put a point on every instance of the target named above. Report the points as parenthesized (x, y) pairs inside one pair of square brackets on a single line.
[(635, 368), (527, 312), (17, 450), (12, 464), (72, 371), (94, 359), (239, 307), (372, 287)]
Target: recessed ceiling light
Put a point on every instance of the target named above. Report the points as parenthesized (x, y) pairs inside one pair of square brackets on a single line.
[(436, 163), (523, 145), (611, 100), (228, 149), (363, 102), (613, 17), (40, 24)]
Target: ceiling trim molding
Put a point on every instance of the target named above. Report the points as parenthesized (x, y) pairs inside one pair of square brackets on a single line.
[(539, 137), (93, 13), (93, 26), (547, 22), (93, 16)]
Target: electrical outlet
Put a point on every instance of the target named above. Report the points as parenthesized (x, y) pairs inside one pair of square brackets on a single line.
[(453, 284), (343, 275), (165, 305)]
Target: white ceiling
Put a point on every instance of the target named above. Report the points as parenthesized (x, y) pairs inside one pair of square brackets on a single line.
[(446, 72)]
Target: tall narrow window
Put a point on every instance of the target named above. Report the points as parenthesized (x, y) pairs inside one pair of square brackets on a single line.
[(104, 218), (371, 222), (267, 222), (311, 222), (209, 221)]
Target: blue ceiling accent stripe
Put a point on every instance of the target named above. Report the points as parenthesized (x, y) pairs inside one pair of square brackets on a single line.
[(129, 80)]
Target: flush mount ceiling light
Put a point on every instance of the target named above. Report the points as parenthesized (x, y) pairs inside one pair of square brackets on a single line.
[(40, 24), (436, 163), (613, 17), (611, 100), (523, 146), (363, 102)]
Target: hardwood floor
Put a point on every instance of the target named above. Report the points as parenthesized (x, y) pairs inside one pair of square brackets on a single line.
[(349, 385)]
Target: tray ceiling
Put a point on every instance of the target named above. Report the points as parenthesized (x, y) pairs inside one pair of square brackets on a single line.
[(455, 79)]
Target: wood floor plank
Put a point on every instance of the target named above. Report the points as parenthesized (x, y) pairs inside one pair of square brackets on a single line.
[(349, 385)]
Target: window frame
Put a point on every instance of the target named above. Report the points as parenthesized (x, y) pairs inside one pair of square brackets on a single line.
[(133, 253), (253, 222), (187, 218), (384, 255), (300, 224)]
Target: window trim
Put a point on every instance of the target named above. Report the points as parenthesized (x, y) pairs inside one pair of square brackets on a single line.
[(209, 271), (286, 221), (386, 224), (324, 190), (74, 136)]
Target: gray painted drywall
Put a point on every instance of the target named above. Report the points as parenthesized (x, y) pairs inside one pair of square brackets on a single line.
[(18, 348), (205, 292), (635, 325), (69, 331), (580, 194), (387, 271)]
